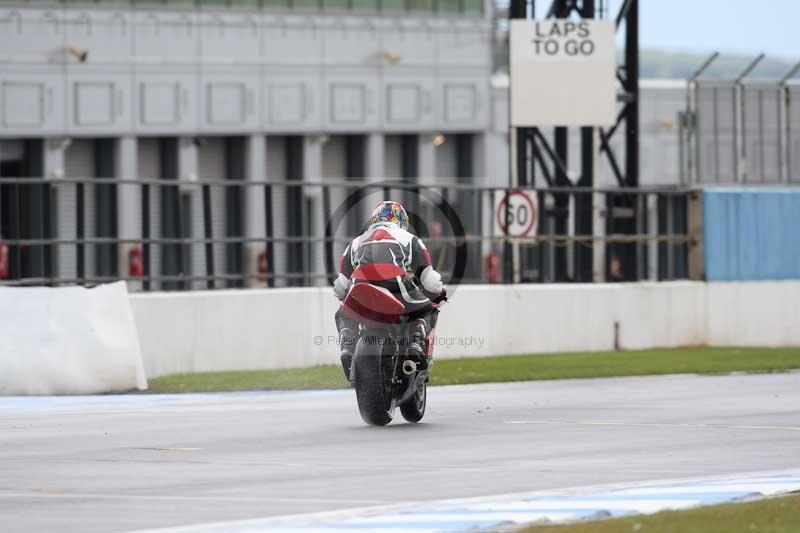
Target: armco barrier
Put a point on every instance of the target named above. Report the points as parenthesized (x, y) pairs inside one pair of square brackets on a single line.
[(283, 328), (68, 340)]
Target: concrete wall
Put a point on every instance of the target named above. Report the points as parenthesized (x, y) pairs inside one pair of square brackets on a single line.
[(283, 328)]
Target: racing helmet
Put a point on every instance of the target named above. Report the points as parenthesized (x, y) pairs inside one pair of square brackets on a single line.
[(389, 211)]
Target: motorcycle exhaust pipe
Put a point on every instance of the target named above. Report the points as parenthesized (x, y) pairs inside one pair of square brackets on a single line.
[(409, 367)]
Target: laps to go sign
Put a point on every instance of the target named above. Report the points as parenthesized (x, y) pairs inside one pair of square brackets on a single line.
[(563, 73)]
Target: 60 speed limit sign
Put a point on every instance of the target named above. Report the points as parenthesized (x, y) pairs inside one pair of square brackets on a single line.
[(519, 212)]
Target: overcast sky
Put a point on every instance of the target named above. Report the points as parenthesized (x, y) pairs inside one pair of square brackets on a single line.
[(735, 26)]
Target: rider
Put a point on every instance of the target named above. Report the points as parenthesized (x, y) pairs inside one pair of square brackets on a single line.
[(388, 241)]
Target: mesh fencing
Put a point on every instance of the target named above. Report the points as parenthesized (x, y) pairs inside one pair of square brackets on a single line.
[(744, 132)]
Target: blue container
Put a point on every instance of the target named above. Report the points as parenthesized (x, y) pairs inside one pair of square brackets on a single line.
[(751, 234)]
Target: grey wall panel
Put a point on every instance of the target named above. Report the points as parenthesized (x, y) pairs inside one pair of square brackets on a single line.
[(350, 41), (159, 71), (348, 104), (291, 40), (462, 44), (407, 42), (23, 103), (98, 102), (31, 100), (95, 103), (230, 37), (404, 103), (106, 34), (165, 37), (352, 101), (228, 101), (287, 103), (159, 103), (408, 104), (32, 35), (291, 100), (462, 102), (165, 102)]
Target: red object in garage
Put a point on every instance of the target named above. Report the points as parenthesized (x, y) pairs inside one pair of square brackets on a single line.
[(135, 262), (263, 266), (492, 267), (4, 273)]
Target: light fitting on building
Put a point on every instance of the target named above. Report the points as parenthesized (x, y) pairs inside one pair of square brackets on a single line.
[(391, 56), (438, 139), (81, 54)]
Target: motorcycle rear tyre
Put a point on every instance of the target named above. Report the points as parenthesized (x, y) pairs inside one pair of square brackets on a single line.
[(374, 401), (413, 409)]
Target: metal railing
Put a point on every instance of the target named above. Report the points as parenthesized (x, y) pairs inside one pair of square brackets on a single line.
[(741, 130), (166, 234)]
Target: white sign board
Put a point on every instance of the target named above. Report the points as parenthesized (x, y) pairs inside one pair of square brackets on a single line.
[(563, 73), (518, 211)]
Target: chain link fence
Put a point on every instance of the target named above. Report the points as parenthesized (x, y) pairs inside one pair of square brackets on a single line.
[(741, 132), (792, 150)]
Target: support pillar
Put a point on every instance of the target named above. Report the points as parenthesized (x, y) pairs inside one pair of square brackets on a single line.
[(256, 212), (53, 166), (129, 204), (426, 158), (312, 223), (186, 170), (376, 171)]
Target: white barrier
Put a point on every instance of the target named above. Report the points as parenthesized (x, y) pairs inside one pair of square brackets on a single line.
[(283, 328), (755, 313), (233, 329), (68, 341)]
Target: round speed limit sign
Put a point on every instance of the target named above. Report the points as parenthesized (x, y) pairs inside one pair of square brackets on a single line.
[(519, 212)]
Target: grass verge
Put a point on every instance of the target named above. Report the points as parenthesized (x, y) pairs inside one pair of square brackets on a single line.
[(507, 368), (774, 515)]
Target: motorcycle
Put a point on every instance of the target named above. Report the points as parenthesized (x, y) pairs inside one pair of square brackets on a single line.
[(382, 372)]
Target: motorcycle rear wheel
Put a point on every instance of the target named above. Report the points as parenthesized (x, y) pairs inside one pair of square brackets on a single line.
[(413, 409), (373, 393)]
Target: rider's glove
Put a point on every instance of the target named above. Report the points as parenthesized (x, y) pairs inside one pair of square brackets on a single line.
[(441, 298), (340, 286), (431, 280)]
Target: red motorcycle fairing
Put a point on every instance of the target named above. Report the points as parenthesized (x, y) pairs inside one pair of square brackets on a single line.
[(367, 303), (377, 272), (431, 338)]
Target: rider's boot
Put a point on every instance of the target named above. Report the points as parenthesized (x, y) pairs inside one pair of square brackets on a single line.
[(419, 342), (346, 345)]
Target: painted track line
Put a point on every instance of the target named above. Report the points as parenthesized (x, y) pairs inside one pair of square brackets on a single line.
[(651, 425), (555, 506)]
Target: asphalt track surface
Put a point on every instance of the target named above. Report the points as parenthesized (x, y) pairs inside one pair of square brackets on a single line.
[(119, 463)]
